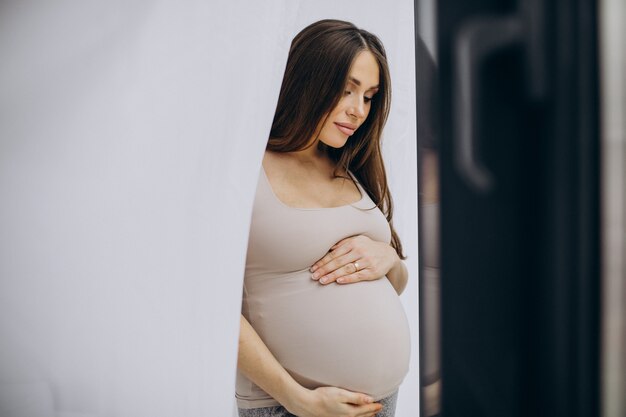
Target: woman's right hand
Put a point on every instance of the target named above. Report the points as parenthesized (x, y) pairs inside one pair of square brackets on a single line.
[(333, 402)]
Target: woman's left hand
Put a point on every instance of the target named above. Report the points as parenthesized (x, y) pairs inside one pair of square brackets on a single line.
[(355, 259)]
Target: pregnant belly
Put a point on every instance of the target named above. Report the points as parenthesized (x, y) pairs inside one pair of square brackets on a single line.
[(351, 336)]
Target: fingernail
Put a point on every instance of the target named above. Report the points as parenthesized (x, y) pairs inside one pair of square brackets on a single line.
[(323, 280), (340, 280), (316, 275), (313, 268), (369, 399)]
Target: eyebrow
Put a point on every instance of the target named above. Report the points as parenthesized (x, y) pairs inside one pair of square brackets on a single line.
[(358, 83)]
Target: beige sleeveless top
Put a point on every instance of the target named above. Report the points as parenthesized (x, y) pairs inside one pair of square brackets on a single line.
[(352, 336)]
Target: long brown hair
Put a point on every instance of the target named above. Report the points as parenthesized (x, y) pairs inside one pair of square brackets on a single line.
[(315, 77)]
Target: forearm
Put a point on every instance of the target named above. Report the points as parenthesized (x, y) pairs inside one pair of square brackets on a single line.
[(259, 365), (398, 276)]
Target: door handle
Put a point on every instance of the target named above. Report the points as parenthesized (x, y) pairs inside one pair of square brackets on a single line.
[(478, 38)]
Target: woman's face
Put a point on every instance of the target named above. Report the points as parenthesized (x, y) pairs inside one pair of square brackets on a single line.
[(354, 105)]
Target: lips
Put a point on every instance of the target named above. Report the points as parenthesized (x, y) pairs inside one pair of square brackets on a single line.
[(346, 128)]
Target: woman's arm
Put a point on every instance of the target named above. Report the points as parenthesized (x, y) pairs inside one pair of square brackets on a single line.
[(398, 275), (360, 258), (258, 364)]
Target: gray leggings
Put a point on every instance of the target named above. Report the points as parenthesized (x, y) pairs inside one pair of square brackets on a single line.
[(389, 409)]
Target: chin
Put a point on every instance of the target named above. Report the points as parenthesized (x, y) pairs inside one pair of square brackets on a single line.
[(335, 143)]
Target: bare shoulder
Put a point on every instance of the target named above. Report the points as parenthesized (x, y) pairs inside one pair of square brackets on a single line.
[(270, 159), (274, 164)]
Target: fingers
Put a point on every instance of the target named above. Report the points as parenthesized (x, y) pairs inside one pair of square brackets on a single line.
[(352, 278), (366, 410), (369, 410), (334, 253), (343, 265), (342, 275), (363, 405), (338, 401), (356, 398), (354, 259)]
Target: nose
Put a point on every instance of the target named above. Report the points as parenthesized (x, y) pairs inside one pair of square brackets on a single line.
[(357, 107)]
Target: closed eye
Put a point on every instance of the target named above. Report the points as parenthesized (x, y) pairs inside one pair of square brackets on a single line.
[(366, 99)]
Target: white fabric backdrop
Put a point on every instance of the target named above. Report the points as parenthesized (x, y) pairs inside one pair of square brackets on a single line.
[(131, 134)]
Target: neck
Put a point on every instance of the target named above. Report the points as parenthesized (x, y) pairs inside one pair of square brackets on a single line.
[(312, 159), (311, 155)]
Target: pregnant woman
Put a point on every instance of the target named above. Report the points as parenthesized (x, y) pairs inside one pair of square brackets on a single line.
[(323, 332)]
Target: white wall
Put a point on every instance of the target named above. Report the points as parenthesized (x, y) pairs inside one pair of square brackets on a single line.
[(613, 95), (130, 137)]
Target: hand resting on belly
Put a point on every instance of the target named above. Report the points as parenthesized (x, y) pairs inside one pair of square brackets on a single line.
[(359, 258)]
